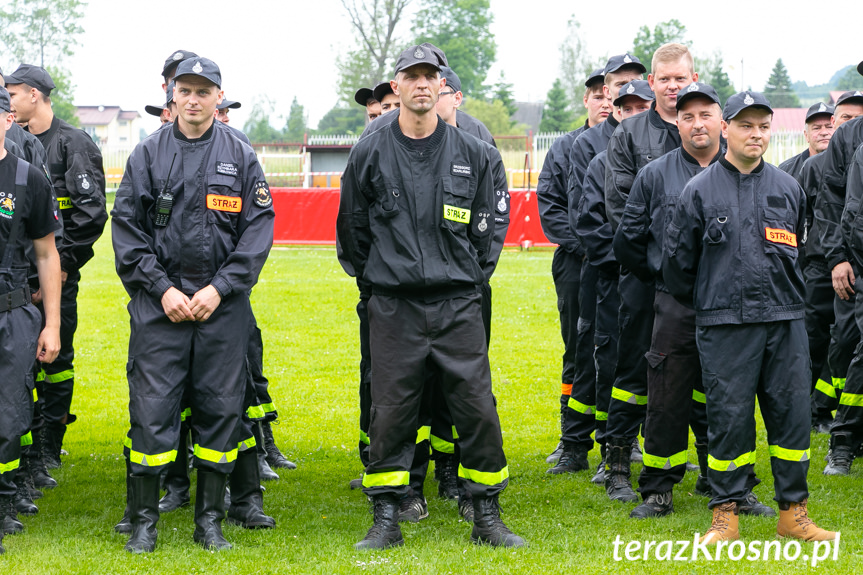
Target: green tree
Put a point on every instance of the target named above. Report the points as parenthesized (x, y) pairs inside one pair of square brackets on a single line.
[(295, 128), (493, 114), (374, 23), (258, 127), (778, 88), (711, 71), (647, 41), (503, 93), (461, 28), (61, 96), (576, 65), (556, 115), (343, 120), (850, 80), (42, 31)]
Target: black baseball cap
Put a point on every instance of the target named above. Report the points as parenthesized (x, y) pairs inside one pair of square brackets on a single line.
[(596, 77), (5, 102), (860, 68), (638, 88), (174, 60), (451, 78), (169, 97), (382, 90), (228, 104), (696, 90), (819, 109), (201, 67), (424, 53), (34, 76), (363, 95), (856, 97), (739, 102), (615, 63)]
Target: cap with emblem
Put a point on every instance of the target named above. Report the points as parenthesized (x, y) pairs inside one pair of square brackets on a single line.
[(363, 95), (228, 104), (819, 109), (852, 97), (382, 90), (739, 102), (424, 53), (5, 104), (32, 76), (451, 78), (615, 63), (201, 67), (638, 88), (596, 77), (696, 90), (169, 97), (172, 61)]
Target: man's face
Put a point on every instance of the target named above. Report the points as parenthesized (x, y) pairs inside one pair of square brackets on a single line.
[(843, 113), (598, 106), (617, 80), (196, 99), (632, 106), (667, 80), (700, 124), (390, 103), (222, 115), (23, 99), (418, 87), (373, 109), (447, 105), (818, 132), (748, 134)]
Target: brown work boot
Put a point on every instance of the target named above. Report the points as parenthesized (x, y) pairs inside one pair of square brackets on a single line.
[(724, 526), (794, 522)]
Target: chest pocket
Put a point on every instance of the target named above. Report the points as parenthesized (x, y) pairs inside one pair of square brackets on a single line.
[(715, 228), (458, 196), (223, 200), (779, 233), (388, 194)]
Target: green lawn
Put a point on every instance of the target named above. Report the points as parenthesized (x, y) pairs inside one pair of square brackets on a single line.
[(305, 306)]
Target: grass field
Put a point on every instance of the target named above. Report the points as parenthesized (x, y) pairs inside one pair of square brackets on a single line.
[(305, 306)]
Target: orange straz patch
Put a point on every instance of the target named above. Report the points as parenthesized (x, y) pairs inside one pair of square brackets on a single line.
[(781, 237), (227, 203)]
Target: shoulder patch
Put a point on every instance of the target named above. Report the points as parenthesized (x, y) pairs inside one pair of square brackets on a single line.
[(502, 201), (459, 169), (227, 168), (7, 205), (262, 195)]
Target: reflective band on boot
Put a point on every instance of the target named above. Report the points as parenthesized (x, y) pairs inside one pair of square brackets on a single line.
[(213, 455), (388, 478), (628, 397), (147, 460), (579, 407), (260, 411), (364, 437), (825, 388), (185, 413), (247, 444), (60, 377), (788, 454), (442, 445), (423, 433), (851, 399), (839, 383), (484, 477), (664, 462), (601, 415), (27, 439), (730, 465), (698, 396), (7, 467)]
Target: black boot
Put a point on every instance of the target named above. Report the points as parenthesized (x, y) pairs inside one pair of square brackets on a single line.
[(635, 456), (751, 506), (702, 484), (10, 524), (143, 504), (617, 482), (599, 477), (23, 482), (177, 482), (274, 456), (125, 524), (264, 469), (385, 532), (41, 478), (554, 457), (656, 505), (840, 457), (247, 499), (210, 510), (572, 460), (5, 504), (446, 472), (52, 441), (488, 527)]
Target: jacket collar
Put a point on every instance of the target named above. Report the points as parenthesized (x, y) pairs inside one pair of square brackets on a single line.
[(434, 140), (733, 169)]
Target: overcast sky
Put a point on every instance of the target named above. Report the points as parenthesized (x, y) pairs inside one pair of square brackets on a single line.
[(288, 48)]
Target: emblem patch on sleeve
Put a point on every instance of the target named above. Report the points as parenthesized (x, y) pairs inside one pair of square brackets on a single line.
[(263, 198), (781, 237), (7, 205), (501, 201), (84, 183)]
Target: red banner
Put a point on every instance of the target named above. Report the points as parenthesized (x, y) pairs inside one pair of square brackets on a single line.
[(308, 216)]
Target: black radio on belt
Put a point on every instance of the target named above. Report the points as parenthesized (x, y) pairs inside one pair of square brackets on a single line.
[(165, 200)]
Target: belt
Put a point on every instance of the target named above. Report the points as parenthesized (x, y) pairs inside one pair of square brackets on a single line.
[(14, 298)]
